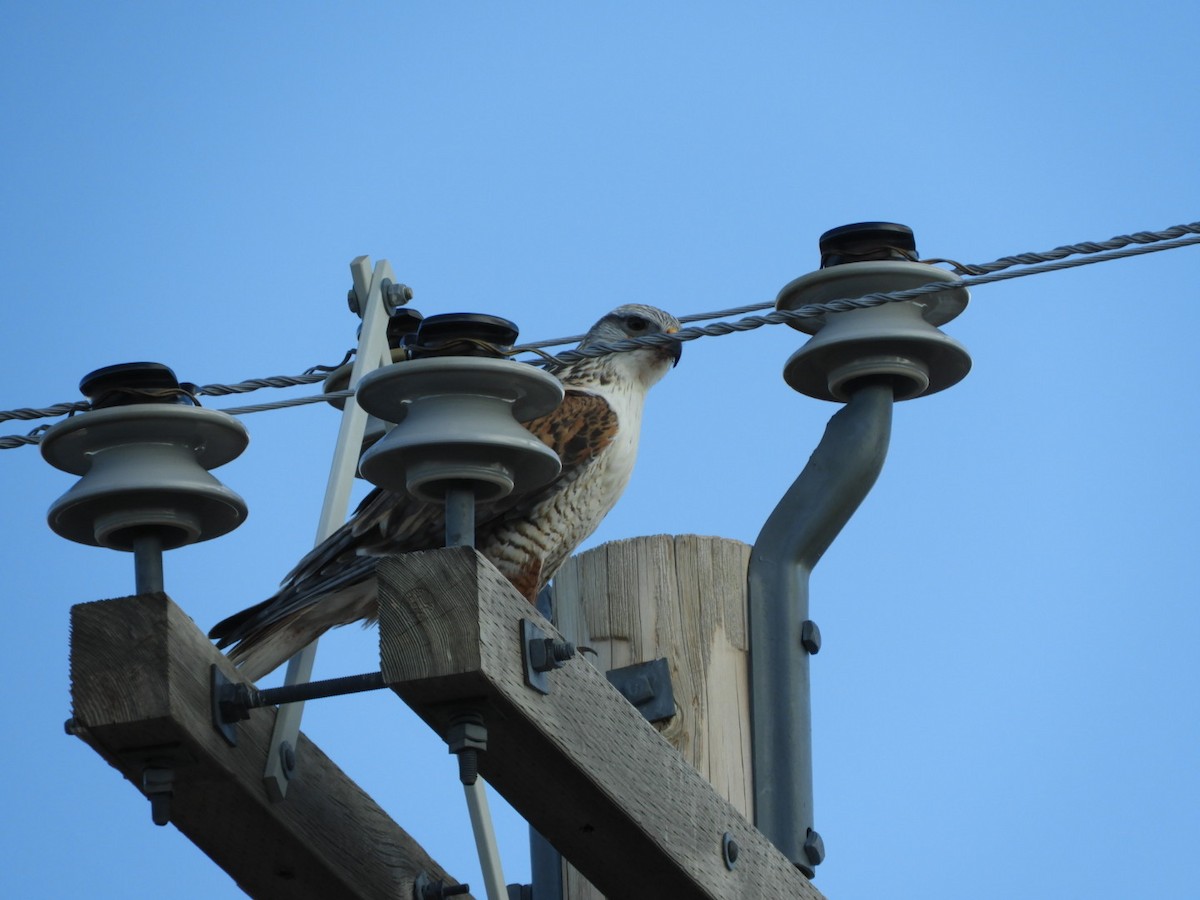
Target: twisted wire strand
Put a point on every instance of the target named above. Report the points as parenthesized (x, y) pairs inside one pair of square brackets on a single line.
[(1119, 247), (311, 376), (787, 316), (253, 384), (1085, 247), (534, 346), (59, 409), (1006, 262), (12, 441), (285, 404)]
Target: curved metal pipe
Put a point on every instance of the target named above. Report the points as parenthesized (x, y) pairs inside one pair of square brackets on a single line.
[(840, 473)]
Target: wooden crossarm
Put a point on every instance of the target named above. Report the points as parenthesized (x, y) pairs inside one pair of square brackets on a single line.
[(141, 699), (580, 763)]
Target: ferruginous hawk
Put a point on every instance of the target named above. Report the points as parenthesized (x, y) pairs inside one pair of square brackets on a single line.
[(595, 433)]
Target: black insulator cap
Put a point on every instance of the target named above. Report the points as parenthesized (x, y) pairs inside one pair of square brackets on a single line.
[(126, 384), (402, 326), (464, 334), (865, 241)]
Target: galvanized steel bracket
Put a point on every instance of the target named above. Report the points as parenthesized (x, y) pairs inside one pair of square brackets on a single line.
[(647, 685)]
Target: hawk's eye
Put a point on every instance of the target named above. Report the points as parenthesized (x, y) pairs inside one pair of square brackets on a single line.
[(637, 323)]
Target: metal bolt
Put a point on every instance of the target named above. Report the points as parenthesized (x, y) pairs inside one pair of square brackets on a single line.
[(395, 295), (287, 758), (467, 731), (814, 847), (468, 766), (466, 737), (157, 784), (160, 809), (729, 850), (546, 654), (236, 701), (810, 637), (426, 888)]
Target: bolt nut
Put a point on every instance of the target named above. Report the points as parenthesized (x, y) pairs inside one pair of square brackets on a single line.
[(810, 637), (466, 731), (814, 847), (395, 295), (546, 654), (158, 785)]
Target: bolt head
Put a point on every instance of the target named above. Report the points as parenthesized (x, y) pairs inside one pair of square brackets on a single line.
[(287, 758), (814, 847), (810, 637), (729, 850)]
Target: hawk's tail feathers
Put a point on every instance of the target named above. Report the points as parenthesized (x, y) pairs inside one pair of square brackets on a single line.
[(261, 648)]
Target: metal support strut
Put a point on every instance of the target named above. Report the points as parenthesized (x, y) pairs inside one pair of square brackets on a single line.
[(372, 350), (869, 359), (838, 476)]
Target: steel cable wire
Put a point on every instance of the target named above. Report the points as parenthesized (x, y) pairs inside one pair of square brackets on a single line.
[(1003, 269)]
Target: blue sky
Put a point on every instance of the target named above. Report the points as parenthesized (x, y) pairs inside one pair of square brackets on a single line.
[(1006, 695)]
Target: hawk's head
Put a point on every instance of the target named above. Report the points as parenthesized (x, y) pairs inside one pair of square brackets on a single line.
[(637, 320)]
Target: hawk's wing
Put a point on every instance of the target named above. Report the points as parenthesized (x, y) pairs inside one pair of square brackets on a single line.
[(388, 522)]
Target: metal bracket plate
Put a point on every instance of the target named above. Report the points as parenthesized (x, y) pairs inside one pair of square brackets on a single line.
[(220, 690), (647, 686)]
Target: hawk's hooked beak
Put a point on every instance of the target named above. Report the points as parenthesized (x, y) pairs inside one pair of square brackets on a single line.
[(674, 349)]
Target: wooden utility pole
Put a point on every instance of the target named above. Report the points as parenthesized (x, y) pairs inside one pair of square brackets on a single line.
[(681, 598)]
